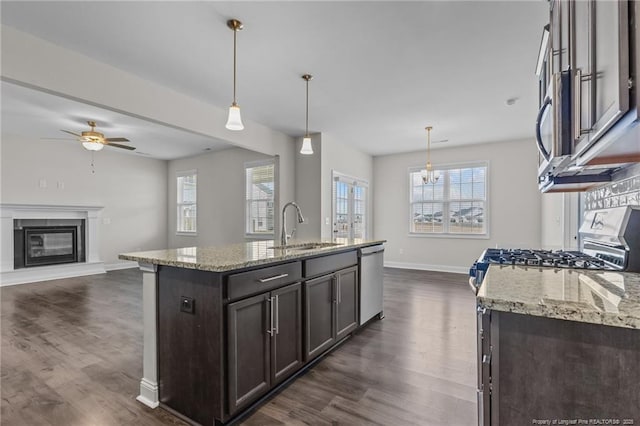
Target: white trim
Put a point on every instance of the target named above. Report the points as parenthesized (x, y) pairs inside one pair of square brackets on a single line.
[(126, 264), (275, 162), (183, 173), (46, 273), (449, 235), (187, 234), (426, 267), (148, 394)]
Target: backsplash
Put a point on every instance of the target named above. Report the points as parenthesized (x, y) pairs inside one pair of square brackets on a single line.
[(625, 191)]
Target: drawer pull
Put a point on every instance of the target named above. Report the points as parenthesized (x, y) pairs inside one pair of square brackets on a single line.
[(275, 277)]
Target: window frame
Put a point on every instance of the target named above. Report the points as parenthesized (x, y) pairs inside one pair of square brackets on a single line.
[(446, 201), (179, 174), (261, 235)]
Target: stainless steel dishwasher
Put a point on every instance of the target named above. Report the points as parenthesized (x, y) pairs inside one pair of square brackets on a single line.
[(371, 279)]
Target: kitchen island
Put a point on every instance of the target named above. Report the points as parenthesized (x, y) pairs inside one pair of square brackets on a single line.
[(558, 345), (226, 327)]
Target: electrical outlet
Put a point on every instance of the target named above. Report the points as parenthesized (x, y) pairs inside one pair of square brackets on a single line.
[(42, 183), (60, 184), (187, 305), (106, 221), (327, 221), (401, 251)]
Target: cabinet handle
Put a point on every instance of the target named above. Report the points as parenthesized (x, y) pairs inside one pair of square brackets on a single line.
[(335, 289), (270, 307), (339, 291), (275, 277), (486, 359), (578, 79), (277, 314)]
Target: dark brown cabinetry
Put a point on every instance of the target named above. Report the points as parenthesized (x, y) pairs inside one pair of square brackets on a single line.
[(227, 340), (533, 367), (264, 343), (331, 307)]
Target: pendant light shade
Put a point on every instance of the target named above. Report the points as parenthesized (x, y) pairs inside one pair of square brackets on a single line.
[(234, 122), (429, 175), (307, 149), (306, 146)]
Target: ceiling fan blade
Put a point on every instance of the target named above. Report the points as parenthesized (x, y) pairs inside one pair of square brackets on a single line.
[(117, 145), (117, 140), (71, 133), (56, 139)]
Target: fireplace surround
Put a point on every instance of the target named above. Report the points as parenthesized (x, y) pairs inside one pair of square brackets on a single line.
[(53, 231)]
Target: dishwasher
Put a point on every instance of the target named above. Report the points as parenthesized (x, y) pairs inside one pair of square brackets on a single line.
[(371, 278)]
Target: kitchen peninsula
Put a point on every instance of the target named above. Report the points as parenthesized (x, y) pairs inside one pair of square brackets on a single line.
[(558, 344), (225, 327)]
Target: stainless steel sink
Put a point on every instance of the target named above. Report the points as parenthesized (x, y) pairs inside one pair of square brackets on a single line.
[(304, 246)]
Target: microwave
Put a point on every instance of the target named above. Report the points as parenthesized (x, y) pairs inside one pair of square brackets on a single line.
[(553, 124)]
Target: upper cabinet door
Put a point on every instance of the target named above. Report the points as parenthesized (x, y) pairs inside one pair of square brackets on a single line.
[(601, 66)]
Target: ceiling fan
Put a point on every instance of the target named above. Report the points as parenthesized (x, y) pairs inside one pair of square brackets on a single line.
[(95, 141)]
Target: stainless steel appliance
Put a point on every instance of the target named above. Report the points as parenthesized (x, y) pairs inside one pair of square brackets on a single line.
[(610, 241), (371, 280)]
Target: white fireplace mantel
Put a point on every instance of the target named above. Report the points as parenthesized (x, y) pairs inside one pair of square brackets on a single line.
[(92, 265)]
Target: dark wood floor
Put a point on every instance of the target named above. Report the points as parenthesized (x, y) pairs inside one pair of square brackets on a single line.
[(72, 355)]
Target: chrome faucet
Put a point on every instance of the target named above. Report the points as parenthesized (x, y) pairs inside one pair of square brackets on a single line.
[(284, 237)]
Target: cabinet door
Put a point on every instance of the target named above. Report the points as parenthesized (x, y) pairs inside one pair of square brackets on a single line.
[(560, 40), (319, 300), (347, 303), (286, 344), (611, 63), (249, 332)]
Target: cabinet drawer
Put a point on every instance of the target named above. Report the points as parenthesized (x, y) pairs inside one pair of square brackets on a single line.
[(260, 280), (328, 264)]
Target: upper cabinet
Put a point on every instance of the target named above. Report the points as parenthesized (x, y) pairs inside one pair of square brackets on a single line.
[(587, 127)]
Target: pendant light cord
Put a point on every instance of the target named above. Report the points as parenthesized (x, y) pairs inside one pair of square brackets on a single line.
[(235, 34), (307, 119)]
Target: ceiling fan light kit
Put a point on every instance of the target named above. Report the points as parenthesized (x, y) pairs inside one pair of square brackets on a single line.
[(234, 121), (95, 141)]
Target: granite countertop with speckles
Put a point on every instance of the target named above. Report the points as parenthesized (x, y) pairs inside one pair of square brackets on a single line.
[(598, 297), (240, 256)]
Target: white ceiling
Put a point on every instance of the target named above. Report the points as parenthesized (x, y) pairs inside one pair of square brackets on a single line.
[(382, 70)]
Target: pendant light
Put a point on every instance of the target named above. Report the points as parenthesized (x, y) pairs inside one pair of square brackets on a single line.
[(429, 175), (234, 122), (307, 149)]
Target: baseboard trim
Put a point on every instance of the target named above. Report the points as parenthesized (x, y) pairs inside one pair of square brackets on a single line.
[(127, 264), (148, 393), (427, 267), (47, 273)]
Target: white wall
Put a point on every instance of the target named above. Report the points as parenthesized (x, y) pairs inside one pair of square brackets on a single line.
[(220, 197), (314, 185), (132, 189), (514, 205), (308, 186)]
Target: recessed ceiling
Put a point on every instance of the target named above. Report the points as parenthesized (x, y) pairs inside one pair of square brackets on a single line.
[(382, 70), (40, 116)]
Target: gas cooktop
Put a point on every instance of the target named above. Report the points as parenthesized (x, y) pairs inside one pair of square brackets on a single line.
[(556, 259)]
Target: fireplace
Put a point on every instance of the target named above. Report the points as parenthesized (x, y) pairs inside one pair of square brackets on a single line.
[(37, 243), (50, 245)]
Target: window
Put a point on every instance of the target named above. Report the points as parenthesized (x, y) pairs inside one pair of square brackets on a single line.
[(260, 197), (186, 201), (349, 207), (455, 205)]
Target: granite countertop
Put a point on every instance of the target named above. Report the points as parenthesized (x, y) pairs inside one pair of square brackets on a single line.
[(239, 256), (598, 297)]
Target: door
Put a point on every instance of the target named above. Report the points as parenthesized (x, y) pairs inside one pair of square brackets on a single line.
[(286, 344), (249, 331), (349, 205), (320, 319), (347, 301)]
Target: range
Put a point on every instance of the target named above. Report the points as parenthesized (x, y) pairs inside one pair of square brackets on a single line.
[(610, 241)]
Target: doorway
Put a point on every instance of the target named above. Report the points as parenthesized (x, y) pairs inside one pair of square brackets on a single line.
[(349, 207)]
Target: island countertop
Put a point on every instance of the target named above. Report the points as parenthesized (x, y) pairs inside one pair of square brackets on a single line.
[(597, 297), (240, 256)]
